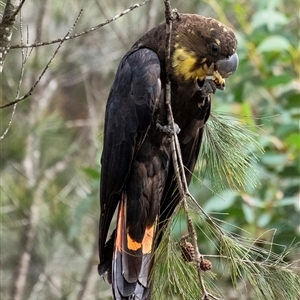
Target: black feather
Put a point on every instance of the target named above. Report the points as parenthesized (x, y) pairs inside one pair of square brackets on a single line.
[(137, 171)]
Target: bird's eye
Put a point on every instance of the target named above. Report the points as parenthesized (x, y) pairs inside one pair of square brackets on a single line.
[(214, 48)]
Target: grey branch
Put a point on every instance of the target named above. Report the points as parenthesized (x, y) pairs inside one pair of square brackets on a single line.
[(6, 28), (126, 11), (60, 41), (170, 15), (45, 68)]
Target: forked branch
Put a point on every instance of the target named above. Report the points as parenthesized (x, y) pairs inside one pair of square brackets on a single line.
[(176, 154), (45, 68), (13, 10)]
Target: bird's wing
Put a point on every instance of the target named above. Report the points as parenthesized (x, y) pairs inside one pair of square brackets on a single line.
[(129, 112)]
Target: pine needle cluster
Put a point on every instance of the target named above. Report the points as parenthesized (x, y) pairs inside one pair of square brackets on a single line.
[(228, 158)]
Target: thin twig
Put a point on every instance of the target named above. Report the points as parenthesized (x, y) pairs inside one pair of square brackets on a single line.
[(9, 123), (45, 68), (247, 261), (61, 41), (176, 155), (168, 16), (126, 11), (12, 18), (213, 297), (19, 84)]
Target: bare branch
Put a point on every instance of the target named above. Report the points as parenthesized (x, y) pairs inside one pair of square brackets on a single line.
[(9, 123), (169, 16), (61, 41), (17, 10), (6, 28), (176, 153), (45, 68), (126, 11), (19, 84), (213, 297)]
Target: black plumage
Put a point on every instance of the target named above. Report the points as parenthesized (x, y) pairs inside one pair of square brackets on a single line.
[(137, 173)]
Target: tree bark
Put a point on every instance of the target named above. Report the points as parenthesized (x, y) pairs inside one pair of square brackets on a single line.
[(6, 28)]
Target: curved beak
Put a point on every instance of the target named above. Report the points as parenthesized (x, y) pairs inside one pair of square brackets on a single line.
[(227, 66)]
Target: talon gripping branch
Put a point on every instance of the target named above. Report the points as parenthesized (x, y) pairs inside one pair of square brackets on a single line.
[(137, 174)]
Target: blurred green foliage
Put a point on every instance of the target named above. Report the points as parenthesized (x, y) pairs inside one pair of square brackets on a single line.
[(50, 156), (265, 93)]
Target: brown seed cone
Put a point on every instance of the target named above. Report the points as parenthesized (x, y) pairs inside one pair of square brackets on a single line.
[(205, 264), (187, 251)]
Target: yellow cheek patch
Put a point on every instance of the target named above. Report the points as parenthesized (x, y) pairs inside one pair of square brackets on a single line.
[(183, 62)]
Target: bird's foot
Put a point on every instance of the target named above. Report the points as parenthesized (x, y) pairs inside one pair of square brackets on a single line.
[(168, 129), (209, 86)]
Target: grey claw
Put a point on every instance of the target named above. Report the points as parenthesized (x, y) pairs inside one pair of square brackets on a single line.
[(168, 129)]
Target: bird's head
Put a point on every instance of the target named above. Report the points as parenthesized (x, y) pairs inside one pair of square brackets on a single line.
[(203, 47)]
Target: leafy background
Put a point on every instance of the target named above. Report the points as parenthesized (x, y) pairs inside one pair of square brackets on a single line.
[(50, 156)]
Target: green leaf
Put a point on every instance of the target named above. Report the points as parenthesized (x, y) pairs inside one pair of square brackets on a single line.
[(264, 219), (248, 213), (273, 159), (287, 201), (268, 17), (293, 101), (289, 171), (293, 140), (274, 43), (277, 80), (92, 173), (221, 202), (285, 129)]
